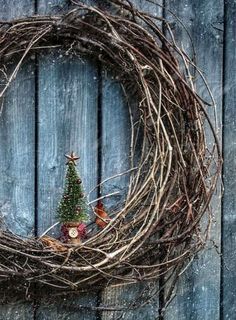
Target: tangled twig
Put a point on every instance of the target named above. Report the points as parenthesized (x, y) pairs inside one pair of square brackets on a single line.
[(158, 230)]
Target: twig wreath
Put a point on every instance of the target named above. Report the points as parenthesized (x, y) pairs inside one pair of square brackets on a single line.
[(157, 231)]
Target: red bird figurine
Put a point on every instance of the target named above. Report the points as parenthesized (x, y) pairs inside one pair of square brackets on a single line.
[(101, 213)]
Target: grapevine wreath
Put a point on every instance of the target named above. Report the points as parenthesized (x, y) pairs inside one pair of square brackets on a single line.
[(157, 231)]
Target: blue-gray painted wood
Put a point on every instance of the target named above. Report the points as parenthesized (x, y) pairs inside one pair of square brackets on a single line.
[(17, 139), (229, 216), (116, 135), (67, 121), (71, 95), (17, 145), (67, 114), (198, 294)]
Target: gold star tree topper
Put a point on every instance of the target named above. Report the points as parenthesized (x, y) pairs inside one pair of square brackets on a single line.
[(72, 158)]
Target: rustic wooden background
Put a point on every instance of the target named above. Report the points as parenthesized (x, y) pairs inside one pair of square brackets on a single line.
[(58, 104)]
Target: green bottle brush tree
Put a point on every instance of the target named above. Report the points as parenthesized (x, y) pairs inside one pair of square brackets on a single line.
[(73, 208)]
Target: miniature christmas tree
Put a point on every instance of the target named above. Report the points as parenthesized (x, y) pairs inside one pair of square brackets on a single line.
[(72, 210)]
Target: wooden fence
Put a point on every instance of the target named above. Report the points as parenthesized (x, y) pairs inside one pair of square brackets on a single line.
[(58, 104)]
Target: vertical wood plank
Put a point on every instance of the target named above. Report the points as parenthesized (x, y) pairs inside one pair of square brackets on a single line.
[(17, 146), (229, 216), (198, 294), (67, 114), (116, 134), (67, 121)]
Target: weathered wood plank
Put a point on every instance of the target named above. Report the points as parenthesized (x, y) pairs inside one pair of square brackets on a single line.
[(229, 216), (67, 113), (115, 160), (17, 145), (67, 121), (198, 294), (116, 136)]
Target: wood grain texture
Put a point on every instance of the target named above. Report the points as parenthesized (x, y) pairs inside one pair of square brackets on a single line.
[(229, 203), (17, 139), (67, 114), (198, 294), (17, 145), (67, 121), (116, 135)]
